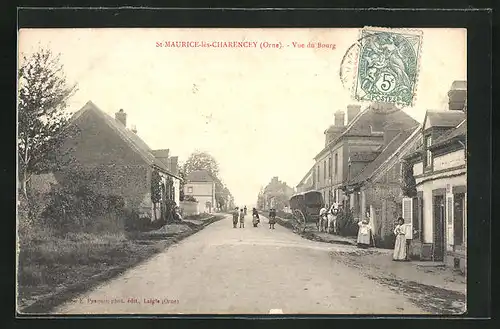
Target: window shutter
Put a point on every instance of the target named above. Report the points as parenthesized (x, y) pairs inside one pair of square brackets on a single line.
[(449, 219), (408, 216)]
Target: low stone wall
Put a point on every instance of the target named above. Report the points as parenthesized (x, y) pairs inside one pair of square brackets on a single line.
[(189, 208)]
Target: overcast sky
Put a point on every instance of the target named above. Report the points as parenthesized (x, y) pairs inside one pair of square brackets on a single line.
[(259, 112)]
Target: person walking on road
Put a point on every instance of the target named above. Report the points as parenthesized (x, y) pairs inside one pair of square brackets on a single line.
[(272, 218), (245, 210), (242, 219), (400, 244), (236, 215)]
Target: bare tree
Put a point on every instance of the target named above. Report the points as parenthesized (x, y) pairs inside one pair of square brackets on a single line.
[(43, 95)]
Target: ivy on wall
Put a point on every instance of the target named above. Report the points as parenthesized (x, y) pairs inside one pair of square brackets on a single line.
[(408, 184), (155, 189)]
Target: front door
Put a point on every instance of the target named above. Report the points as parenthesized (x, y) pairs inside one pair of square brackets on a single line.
[(438, 206)]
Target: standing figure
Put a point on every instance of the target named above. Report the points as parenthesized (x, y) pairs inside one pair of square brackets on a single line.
[(242, 219), (322, 218), (364, 234), (256, 219), (245, 210), (272, 218), (400, 244), (236, 215)]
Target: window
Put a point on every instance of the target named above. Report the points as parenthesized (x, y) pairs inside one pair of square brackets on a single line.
[(324, 170), (190, 189), (330, 167), (458, 219), (428, 153), (336, 163), (318, 173)]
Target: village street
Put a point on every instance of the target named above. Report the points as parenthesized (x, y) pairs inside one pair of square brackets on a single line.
[(252, 270)]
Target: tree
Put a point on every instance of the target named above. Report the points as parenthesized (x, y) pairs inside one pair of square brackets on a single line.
[(43, 95), (408, 184), (199, 160)]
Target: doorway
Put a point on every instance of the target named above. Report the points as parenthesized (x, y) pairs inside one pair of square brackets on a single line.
[(439, 243)]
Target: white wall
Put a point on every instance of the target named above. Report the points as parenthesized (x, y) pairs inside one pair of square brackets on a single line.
[(418, 169), (203, 192), (427, 188), (449, 160), (177, 188)]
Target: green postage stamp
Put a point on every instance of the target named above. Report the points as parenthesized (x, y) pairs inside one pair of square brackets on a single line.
[(388, 65)]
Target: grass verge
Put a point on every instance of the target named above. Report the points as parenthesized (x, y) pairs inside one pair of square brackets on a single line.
[(53, 270)]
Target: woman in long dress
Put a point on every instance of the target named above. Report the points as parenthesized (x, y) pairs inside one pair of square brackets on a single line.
[(400, 245), (364, 234)]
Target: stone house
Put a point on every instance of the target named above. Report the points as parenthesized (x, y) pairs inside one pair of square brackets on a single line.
[(379, 183), (201, 185), (438, 210), (350, 148), (116, 160)]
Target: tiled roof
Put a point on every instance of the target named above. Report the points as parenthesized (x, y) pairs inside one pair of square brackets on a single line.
[(362, 156), (200, 176), (445, 118), (304, 179), (127, 135), (386, 153), (460, 130), (371, 120), (163, 153)]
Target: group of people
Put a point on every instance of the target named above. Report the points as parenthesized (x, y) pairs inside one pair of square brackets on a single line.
[(239, 216), (365, 238)]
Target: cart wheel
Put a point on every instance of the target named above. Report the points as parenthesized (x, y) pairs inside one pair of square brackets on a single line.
[(300, 222)]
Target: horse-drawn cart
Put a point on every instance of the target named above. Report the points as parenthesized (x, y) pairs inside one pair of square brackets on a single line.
[(305, 208)]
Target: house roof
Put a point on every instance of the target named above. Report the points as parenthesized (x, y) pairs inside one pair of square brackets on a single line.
[(444, 118), (306, 176), (363, 156), (371, 121), (200, 176), (128, 136), (459, 131), (163, 153), (388, 152)]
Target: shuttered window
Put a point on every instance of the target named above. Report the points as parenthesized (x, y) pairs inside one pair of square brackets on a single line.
[(408, 216)]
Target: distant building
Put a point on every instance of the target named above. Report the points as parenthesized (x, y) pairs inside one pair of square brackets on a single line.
[(438, 211), (201, 185), (276, 194)]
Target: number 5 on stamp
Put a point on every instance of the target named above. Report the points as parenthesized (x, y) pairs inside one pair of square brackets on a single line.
[(388, 65)]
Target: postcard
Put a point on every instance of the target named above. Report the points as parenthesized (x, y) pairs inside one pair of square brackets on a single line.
[(176, 171)]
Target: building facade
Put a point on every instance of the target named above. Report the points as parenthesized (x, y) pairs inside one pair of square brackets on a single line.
[(438, 209), (201, 186), (378, 185), (350, 148)]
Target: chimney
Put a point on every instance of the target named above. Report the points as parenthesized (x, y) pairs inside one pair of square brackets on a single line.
[(339, 118), (134, 129), (122, 117), (174, 165), (457, 96), (352, 111)]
